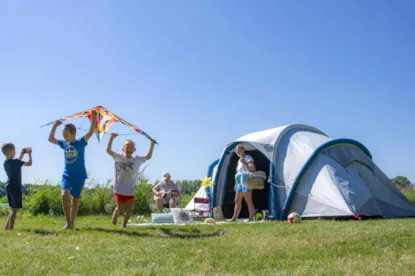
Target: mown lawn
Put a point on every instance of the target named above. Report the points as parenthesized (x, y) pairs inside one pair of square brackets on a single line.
[(38, 246)]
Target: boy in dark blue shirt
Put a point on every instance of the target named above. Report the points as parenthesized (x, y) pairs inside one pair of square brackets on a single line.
[(74, 174), (13, 168)]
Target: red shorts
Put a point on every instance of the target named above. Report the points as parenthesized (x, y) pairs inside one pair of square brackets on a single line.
[(122, 199)]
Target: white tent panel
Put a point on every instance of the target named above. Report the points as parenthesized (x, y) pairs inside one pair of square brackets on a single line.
[(271, 136), (201, 193), (300, 146), (268, 136), (317, 195), (198, 206)]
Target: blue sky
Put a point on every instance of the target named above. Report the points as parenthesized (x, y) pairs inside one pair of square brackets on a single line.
[(199, 74)]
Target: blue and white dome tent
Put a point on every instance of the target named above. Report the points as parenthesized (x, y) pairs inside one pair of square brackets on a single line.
[(311, 174)]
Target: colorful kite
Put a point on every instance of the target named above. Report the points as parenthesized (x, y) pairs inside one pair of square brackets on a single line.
[(105, 120)]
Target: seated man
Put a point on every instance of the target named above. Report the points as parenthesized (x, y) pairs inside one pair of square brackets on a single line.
[(166, 192)]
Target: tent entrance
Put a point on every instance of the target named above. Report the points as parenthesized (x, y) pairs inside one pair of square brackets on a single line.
[(260, 197)]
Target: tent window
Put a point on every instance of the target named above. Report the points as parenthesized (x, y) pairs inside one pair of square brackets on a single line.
[(347, 154)]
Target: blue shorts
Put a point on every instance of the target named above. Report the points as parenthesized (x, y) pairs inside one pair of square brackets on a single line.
[(14, 197), (74, 185), (240, 180), (241, 188)]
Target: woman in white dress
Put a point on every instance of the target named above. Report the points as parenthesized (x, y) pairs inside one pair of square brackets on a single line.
[(245, 165)]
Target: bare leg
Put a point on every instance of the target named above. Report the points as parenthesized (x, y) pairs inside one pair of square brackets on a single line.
[(8, 220), (66, 194), (13, 218), (74, 211), (118, 211), (238, 206), (173, 202), (160, 203), (130, 206), (250, 203), (115, 216)]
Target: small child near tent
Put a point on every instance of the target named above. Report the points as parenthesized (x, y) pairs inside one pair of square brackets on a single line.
[(13, 168), (74, 175), (127, 167)]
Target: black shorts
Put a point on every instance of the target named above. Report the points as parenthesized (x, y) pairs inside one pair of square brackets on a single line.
[(15, 198)]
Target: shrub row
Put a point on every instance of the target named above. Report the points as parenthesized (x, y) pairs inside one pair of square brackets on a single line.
[(96, 199)]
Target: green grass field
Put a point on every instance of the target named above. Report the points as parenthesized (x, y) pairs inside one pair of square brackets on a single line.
[(38, 246)]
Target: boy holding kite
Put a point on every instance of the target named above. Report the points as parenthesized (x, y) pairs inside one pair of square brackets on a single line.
[(74, 175), (127, 168)]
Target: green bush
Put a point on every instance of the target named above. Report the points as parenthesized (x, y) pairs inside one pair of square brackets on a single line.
[(4, 200), (143, 197), (190, 186), (4, 209), (97, 199), (410, 194), (45, 199)]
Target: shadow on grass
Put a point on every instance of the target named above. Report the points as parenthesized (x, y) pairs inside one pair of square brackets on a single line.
[(41, 232), (184, 234), (166, 233)]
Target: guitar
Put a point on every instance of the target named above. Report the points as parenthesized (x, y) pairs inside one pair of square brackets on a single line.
[(164, 193)]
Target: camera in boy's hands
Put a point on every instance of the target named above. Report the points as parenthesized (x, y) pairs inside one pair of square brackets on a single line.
[(26, 150)]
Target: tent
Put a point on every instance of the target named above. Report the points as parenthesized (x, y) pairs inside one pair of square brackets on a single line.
[(311, 174), (201, 193)]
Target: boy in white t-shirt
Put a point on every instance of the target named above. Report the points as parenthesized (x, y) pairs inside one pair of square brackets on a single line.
[(127, 168)]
